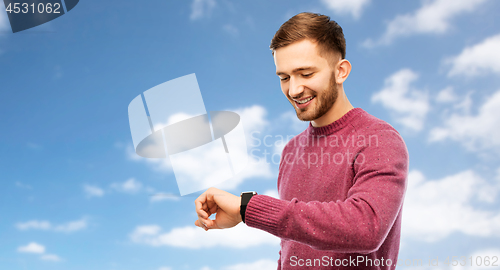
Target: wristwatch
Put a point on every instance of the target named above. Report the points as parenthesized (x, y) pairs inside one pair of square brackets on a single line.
[(245, 198)]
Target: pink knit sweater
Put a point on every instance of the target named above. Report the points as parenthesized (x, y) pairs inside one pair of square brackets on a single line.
[(341, 190)]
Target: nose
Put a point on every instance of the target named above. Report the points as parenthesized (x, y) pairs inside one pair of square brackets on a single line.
[(295, 88)]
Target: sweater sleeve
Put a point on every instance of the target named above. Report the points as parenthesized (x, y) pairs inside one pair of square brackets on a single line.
[(358, 224)]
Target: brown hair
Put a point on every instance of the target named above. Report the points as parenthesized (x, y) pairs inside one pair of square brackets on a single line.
[(319, 28)]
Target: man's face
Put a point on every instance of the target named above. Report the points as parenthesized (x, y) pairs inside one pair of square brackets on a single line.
[(307, 79)]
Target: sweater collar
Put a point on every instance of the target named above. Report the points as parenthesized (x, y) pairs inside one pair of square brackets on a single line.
[(335, 125)]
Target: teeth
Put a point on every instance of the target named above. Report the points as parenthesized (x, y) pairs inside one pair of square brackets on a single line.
[(303, 101)]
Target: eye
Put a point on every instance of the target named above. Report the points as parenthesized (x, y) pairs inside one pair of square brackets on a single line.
[(307, 75), (284, 79)]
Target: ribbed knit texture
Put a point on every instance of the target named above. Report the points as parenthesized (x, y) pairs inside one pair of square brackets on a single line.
[(341, 190)]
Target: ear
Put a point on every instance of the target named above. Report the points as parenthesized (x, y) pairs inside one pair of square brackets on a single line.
[(343, 68)]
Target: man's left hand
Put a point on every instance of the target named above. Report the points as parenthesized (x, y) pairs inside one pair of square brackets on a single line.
[(225, 205)]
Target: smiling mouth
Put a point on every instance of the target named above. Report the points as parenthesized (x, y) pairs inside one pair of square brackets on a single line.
[(303, 101), (302, 104)]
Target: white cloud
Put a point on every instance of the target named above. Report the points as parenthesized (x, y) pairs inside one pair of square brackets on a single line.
[(72, 226), (263, 264), (34, 224), (36, 248), (253, 119), (158, 197), (201, 167), (68, 227), (93, 191), (408, 105), (446, 95), (32, 248), (433, 17), (175, 118), (434, 209), (352, 7), (50, 257), (289, 118), (272, 192), (466, 104), (201, 8), (192, 237), (145, 230), (165, 268), (129, 186), (475, 132), (482, 58), (257, 167)]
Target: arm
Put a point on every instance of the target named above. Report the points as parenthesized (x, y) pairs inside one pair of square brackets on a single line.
[(358, 224)]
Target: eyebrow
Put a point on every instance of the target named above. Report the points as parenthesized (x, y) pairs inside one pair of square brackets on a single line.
[(295, 70)]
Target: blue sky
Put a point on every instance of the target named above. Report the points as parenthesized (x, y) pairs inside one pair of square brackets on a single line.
[(75, 196)]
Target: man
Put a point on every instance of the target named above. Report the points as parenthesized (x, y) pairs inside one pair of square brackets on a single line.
[(341, 181)]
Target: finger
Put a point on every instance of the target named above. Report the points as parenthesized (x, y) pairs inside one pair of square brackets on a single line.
[(201, 206), (211, 202), (204, 207), (200, 224), (202, 213), (206, 224), (213, 209), (201, 199)]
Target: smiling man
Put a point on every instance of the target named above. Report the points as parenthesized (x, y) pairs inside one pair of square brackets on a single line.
[(341, 181)]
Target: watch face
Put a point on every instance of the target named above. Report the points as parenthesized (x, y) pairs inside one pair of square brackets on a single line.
[(246, 196)]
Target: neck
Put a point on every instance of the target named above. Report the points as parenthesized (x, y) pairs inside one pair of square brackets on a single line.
[(339, 108)]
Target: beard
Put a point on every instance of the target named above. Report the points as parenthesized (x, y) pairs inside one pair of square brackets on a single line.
[(322, 102)]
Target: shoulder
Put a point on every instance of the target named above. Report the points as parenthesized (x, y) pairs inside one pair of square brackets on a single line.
[(367, 125), (378, 141)]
